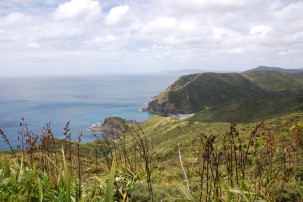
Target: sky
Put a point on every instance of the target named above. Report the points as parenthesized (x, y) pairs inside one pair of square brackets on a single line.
[(82, 37)]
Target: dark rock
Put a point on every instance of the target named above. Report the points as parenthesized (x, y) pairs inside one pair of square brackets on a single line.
[(110, 128)]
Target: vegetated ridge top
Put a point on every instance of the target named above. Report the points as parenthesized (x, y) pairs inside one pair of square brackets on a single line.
[(265, 68)]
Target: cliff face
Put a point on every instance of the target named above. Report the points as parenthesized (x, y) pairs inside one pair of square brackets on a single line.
[(162, 103), (112, 123), (161, 108), (154, 107)]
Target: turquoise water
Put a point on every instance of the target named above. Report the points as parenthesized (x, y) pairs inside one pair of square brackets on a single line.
[(81, 100)]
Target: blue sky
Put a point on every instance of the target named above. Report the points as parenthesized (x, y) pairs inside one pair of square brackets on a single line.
[(63, 37)]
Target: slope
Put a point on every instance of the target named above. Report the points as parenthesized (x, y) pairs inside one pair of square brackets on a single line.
[(197, 92)]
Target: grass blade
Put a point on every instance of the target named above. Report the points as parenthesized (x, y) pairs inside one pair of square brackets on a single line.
[(242, 193), (186, 192), (40, 190), (110, 183), (299, 188), (66, 178)]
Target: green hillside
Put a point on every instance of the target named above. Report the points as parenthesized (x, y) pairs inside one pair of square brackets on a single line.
[(166, 132), (265, 68), (251, 110), (202, 92)]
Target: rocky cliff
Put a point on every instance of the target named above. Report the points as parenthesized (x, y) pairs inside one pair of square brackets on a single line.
[(161, 108), (111, 127)]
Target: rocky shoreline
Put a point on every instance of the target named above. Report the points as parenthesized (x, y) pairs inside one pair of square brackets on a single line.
[(163, 109), (180, 116), (113, 127)]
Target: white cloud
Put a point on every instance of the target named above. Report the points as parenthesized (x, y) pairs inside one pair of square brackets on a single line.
[(78, 10), (293, 11), (260, 29), (106, 39), (15, 19), (189, 7), (116, 14), (171, 33), (163, 23), (160, 25), (232, 3), (189, 27), (33, 45)]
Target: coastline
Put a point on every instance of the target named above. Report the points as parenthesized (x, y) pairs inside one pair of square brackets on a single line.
[(179, 116), (113, 127), (182, 116)]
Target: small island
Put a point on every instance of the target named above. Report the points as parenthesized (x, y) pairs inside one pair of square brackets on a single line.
[(112, 127)]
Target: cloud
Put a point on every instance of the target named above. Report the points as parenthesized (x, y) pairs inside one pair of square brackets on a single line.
[(115, 14), (78, 10), (168, 33), (160, 25), (293, 11), (33, 45), (189, 7), (261, 29), (15, 19)]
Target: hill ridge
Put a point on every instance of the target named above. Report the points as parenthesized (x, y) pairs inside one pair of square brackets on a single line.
[(196, 92), (266, 68)]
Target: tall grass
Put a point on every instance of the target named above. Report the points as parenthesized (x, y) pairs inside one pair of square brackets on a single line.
[(235, 166), (238, 168)]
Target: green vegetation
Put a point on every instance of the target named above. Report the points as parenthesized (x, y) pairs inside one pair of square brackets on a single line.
[(118, 119), (265, 68), (223, 162), (117, 122), (222, 97), (251, 110)]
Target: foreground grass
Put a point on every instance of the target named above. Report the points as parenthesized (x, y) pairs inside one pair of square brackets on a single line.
[(223, 162), (27, 183)]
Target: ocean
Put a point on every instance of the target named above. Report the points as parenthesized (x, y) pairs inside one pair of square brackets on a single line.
[(83, 101)]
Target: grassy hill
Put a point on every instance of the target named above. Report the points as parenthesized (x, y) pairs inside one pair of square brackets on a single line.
[(207, 92), (265, 68), (251, 110)]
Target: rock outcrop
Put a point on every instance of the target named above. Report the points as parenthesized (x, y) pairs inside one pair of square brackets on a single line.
[(161, 108), (111, 127)]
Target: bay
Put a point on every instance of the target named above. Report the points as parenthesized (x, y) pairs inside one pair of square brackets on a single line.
[(81, 100)]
